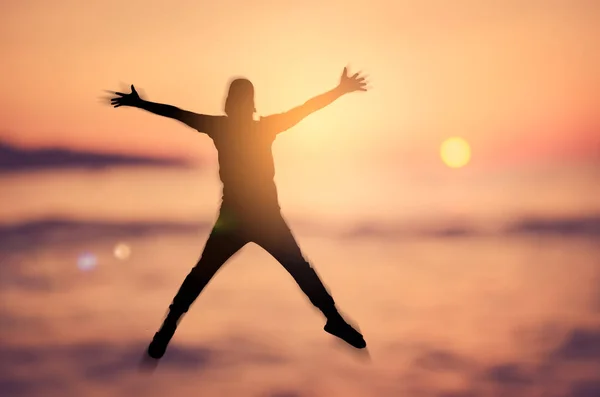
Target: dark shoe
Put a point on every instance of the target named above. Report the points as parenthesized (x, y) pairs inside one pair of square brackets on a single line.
[(158, 346), (341, 329)]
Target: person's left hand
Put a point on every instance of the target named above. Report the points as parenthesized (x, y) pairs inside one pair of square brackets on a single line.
[(349, 84)]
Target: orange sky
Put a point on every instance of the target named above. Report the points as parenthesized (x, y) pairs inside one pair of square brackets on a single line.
[(518, 80), (493, 72)]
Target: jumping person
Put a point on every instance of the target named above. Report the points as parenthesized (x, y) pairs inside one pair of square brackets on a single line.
[(250, 209)]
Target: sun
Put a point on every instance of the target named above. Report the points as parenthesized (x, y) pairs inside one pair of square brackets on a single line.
[(455, 152)]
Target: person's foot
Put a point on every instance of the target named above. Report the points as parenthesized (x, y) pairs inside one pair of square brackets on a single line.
[(158, 346), (338, 327)]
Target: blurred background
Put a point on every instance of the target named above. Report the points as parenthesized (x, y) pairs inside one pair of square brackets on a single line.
[(471, 265)]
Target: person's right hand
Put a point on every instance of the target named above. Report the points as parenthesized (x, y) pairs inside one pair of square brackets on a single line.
[(132, 99)]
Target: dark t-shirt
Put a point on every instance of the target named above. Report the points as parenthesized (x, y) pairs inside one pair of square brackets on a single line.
[(246, 166)]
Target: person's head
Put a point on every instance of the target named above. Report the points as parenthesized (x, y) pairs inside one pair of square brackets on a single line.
[(240, 99)]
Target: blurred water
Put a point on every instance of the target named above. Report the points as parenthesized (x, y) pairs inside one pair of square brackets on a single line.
[(449, 301), (487, 315)]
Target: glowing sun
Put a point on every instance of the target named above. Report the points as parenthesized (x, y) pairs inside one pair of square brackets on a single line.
[(455, 152)]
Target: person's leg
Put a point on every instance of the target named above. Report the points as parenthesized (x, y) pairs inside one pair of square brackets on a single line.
[(281, 244), (220, 246), (218, 249)]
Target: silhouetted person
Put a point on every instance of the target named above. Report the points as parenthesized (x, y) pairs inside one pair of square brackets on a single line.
[(250, 210)]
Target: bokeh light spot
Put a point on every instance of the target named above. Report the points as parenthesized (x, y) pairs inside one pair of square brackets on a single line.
[(87, 261), (122, 251)]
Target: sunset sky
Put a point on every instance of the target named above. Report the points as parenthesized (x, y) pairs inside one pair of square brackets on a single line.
[(501, 74), (518, 80)]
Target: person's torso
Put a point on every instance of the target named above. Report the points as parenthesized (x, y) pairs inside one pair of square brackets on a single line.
[(246, 166)]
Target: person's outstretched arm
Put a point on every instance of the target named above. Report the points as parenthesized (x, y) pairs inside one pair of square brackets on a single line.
[(200, 122), (283, 121)]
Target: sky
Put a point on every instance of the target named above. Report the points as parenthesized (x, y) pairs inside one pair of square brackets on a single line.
[(519, 81), (501, 74)]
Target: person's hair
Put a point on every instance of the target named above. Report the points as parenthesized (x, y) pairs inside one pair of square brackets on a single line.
[(241, 90)]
